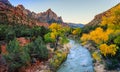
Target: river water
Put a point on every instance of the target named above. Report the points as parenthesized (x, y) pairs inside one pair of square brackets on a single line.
[(78, 59)]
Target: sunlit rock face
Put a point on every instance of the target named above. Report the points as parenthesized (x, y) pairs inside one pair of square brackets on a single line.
[(10, 14)]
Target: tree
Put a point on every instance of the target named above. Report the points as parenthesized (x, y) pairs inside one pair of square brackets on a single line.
[(76, 31), (57, 32), (108, 50), (48, 38), (117, 40), (37, 49), (98, 35), (112, 18), (10, 34), (16, 56)]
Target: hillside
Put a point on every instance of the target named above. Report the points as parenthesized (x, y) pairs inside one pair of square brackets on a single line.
[(20, 15), (74, 25), (103, 40), (98, 18)]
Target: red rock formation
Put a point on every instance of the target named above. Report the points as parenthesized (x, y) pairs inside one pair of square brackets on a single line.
[(20, 15), (3, 48), (49, 16), (23, 41)]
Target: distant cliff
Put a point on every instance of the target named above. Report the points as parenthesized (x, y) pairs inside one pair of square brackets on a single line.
[(49, 16), (74, 25)]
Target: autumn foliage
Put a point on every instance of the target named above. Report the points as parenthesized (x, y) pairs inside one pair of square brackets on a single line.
[(106, 39), (106, 50), (98, 35)]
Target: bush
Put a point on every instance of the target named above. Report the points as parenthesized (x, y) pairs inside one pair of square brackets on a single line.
[(48, 38), (117, 40), (2, 31), (10, 34), (111, 64), (38, 49), (58, 59), (39, 31), (16, 56)]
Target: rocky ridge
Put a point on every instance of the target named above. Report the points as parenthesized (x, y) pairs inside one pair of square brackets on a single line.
[(20, 15), (98, 18)]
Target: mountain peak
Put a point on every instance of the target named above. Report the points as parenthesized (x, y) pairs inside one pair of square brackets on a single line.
[(49, 9), (20, 6), (49, 16)]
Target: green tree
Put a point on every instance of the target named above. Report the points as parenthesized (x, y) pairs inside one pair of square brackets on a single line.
[(16, 56), (48, 38), (10, 34), (117, 40), (37, 49)]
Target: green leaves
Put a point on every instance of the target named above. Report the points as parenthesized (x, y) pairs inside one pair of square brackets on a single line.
[(17, 56), (38, 49), (48, 38), (13, 46), (117, 40)]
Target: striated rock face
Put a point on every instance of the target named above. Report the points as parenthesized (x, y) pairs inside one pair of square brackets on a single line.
[(20, 15), (49, 16), (98, 18)]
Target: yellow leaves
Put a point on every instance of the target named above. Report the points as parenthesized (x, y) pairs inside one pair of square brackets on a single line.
[(85, 37), (54, 34), (58, 31), (58, 58), (96, 56), (109, 31), (55, 30), (112, 18), (104, 21), (55, 27), (98, 35), (76, 31), (105, 49)]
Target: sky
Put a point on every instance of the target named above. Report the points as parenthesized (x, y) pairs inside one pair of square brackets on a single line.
[(74, 11)]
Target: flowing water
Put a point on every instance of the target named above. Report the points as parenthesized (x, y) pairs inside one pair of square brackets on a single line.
[(78, 59)]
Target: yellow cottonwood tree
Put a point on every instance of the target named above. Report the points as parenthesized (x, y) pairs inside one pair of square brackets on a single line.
[(77, 31), (112, 18), (98, 35), (111, 49), (55, 27), (57, 30)]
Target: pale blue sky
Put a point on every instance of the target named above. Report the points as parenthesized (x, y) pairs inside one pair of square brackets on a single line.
[(76, 11)]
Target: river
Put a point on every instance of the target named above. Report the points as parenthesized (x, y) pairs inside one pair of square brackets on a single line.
[(78, 59)]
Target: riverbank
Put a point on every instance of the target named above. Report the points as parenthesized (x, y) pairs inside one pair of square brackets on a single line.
[(99, 66), (78, 60)]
